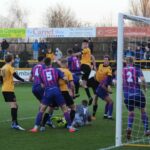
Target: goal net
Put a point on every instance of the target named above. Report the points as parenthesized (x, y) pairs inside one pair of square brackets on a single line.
[(133, 100)]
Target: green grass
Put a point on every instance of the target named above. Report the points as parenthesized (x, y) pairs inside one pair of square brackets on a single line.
[(101, 134)]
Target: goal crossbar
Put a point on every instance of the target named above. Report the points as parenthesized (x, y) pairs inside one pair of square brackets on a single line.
[(137, 18)]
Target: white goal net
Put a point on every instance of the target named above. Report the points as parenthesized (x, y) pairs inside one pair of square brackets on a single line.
[(133, 97)]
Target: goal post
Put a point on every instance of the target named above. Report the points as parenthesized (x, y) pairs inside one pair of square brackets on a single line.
[(119, 78), (119, 90)]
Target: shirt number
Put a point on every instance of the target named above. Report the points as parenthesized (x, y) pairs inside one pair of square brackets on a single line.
[(129, 78), (77, 64), (49, 76), (37, 72)]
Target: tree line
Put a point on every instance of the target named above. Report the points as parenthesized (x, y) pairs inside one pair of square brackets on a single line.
[(61, 16)]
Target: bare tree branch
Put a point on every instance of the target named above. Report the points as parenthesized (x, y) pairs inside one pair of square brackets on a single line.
[(140, 8), (17, 17), (59, 16)]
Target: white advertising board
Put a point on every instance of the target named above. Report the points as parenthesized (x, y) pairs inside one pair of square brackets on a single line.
[(25, 74), (60, 32)]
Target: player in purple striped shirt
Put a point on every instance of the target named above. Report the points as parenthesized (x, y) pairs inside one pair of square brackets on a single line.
[(37, 90), (133, 95), (52, 94), (74, 67)]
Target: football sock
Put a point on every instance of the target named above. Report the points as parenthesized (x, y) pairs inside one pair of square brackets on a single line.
[(49, 117), (67, 117), (110, 109), (88, 92), (144, 118), (45, 119), (95, 109), (106, 109), (38, 118), (130, 120), (72, 115), (14, 115), (77, 86)]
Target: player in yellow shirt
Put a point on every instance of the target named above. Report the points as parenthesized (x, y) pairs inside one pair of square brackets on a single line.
[(86, 60), (50, 55), (67, 89), (7, 74), (104, 78)]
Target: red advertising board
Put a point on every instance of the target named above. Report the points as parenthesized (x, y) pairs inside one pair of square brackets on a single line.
[(128, 31)]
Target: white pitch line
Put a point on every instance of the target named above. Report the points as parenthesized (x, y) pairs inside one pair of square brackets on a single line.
[(21, 119), (108, 148)]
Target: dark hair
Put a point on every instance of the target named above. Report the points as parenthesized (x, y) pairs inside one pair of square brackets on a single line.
[(85, 41), (64, 61), (40, 58), (47, 61), (85, 102), (8, 58), (129, 60), (107, 56), (70, 51)]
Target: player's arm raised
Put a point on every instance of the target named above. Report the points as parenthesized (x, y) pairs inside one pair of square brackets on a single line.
[(58, 62), (77, 54)]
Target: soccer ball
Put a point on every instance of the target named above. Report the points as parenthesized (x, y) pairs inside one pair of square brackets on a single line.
[(59, 121)]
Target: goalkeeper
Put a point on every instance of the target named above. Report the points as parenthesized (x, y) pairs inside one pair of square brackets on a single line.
[(82, 116)]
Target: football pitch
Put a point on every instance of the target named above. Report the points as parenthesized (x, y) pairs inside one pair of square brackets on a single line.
[(100, 135)]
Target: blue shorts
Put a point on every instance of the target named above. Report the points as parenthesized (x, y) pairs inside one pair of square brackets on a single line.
[(53, 95), (38, 91), (101, 92), (134, 98)]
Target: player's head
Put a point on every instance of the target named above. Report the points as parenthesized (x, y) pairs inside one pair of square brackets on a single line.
[(49, 50), (85, 44), (129, 60), (9, 58), (85, 103), (40, 59), (64, 63), (106, 60), (70, 52), (47, 62)]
